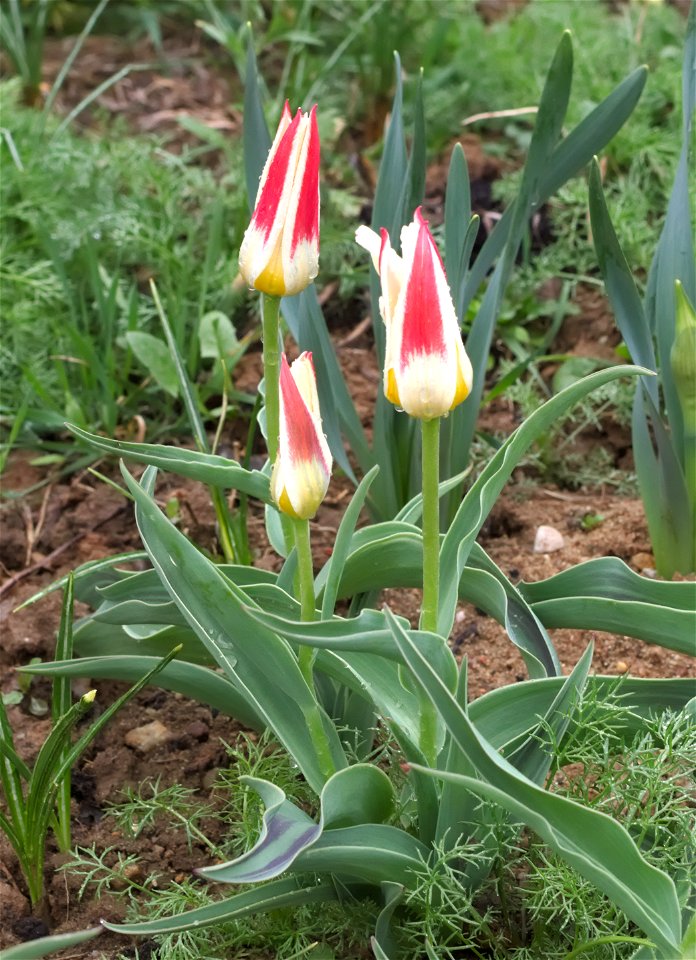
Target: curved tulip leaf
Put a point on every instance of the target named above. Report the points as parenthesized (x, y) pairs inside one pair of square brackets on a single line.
[(605, 594), (383, 940), (278, 895), (206, 467), (367, 633), (263, 666), (90, 577), (594, 844), (198, 683), (341, 546), (44, 946), (481, 496), (508, 714), (413, 510), (146, 585), (371, 852), (355, 795), (95, 639), (286, 831)]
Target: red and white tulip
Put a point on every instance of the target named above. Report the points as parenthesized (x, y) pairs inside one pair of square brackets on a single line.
[(280, 251), (302, 469), (426, 371)]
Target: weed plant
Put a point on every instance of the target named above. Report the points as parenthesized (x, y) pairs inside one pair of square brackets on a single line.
[(532, 905)]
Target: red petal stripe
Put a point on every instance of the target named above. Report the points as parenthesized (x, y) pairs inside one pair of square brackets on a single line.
[(307, 218), (267, 203), (423, 329), (303, 443)]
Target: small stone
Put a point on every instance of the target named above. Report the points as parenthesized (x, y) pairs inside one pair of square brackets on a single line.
[(148, 737), (460, 616), (621, 666), (133, 871), (548, 540), (198, 730), (643, 561)]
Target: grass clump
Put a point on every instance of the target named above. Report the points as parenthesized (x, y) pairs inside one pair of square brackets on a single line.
[(86, 221)]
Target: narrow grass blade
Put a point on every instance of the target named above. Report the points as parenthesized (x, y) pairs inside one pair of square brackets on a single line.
[(61, 699)]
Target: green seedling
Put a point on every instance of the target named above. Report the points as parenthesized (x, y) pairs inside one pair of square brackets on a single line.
[(37, 799)]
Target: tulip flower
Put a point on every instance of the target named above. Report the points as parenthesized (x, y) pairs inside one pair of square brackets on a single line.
[(280, 251), (426, 371), (303, 466)]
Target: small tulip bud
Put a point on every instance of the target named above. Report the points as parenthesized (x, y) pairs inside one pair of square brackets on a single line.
[(280, 251), (302, 469)]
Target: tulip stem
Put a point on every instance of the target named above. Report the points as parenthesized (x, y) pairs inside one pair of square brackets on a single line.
[(270, 310), (306, 655), (305, 573), (431, 523), (431, 568)]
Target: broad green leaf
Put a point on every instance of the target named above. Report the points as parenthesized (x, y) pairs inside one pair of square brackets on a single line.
[(663, 488), (383, 940), (285, 832), (457, 218), (194, 681), (485, 491), (597, 846), (371, 853), (352, 796), (605, 594), (217, 337), (263, 666), (278, 895), (206, 467), (256, 140), (147, 586), (367, 633), (44, 946), (508, 714), (154, 356)]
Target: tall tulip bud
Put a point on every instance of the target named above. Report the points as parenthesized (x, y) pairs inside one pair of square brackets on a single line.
[(303, 466), (426, 369), (280, 251)]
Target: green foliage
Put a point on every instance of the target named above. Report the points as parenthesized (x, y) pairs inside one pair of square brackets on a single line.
[(75, 261)]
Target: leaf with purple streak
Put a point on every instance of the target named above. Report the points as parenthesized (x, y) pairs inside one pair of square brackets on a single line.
[(355, 795)]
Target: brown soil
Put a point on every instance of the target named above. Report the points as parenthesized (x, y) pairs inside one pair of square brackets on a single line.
[(65, 523)]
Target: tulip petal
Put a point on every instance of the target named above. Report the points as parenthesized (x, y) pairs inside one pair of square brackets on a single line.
[(280, 249), (303, 468)]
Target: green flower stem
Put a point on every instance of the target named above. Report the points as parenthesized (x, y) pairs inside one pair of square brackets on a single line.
[(307, 655), (431, 567), (270, 308), (431, 524)]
